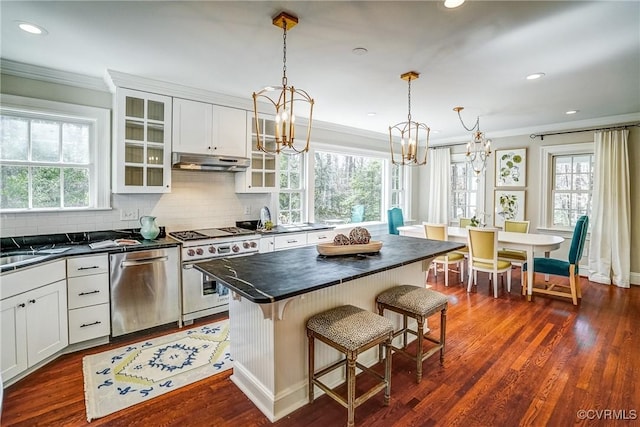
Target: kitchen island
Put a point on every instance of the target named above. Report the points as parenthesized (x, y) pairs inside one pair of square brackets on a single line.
[(273, 295)]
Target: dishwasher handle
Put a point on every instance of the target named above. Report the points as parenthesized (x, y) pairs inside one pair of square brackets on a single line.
[(144, 261)]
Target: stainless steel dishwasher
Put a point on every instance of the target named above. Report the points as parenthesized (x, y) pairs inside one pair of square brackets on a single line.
[(145, 289)]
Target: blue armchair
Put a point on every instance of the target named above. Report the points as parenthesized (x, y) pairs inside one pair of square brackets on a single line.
[(558, 267), (395, 220)]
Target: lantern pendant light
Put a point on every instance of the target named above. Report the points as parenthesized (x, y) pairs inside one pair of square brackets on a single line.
[(283, 99), (412, 137)]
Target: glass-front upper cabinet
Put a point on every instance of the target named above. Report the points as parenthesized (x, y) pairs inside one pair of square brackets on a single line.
[(261, 176), (142, 149)]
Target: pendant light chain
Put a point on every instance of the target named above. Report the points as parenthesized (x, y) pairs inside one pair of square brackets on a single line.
[(284, 53), (474, 127), (409, 100)]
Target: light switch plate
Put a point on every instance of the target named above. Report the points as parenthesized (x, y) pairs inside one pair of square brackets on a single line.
[(128, 214)]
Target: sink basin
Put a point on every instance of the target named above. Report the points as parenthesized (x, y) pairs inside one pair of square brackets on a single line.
[(14, 259)]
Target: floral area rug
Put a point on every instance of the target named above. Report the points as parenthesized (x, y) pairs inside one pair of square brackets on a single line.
[(117, 379)]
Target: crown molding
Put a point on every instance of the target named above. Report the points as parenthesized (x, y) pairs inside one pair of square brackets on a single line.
[(35, 72), (116, 79)]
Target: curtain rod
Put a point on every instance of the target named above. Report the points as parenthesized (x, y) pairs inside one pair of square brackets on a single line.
[(433, 147), (542, 135)]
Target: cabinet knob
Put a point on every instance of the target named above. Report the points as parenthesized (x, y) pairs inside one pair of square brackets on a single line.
[(32, 301), (22, 305)]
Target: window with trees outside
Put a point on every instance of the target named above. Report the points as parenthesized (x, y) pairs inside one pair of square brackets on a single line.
[(48, 160), (464, 190), (291, 194), (566, 184), (348, 188), (572, 188)]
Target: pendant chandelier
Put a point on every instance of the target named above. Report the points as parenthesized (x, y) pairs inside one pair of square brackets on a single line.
[(479, 148), (413, 136), (283, 99)]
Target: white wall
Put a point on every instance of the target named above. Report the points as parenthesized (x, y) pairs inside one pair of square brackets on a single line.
[(532, 195)]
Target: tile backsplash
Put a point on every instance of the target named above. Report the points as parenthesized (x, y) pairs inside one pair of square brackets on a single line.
[(197, 200)]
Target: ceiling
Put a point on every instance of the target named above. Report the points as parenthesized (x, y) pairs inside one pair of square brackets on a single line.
[(476, 56)]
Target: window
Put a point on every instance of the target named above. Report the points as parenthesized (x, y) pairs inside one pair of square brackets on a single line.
[(572, 188), (348, 187), (567, 184), (291, 189), (397, 187), (48, 156), (465, 190)]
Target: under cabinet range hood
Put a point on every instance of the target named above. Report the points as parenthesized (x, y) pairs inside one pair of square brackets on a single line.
[(212, 163)]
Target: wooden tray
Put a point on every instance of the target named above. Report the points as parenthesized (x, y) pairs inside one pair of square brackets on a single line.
[(329, 249)]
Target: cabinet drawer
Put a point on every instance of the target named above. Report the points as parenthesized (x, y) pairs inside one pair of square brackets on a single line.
[(29, 278), (83, 266), (324, 236), (290, 240), (88, 290), (89, 323)]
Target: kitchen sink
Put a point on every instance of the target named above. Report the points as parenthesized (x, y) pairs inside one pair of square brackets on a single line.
[(15, 259)]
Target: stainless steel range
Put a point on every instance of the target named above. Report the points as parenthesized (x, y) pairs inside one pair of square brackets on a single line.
[(202, 295)]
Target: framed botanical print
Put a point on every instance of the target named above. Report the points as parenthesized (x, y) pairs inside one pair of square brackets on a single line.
[(511, 167), (509, 205)]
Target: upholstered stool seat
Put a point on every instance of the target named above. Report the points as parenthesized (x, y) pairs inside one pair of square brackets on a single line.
[(417, 303), (350, 330)]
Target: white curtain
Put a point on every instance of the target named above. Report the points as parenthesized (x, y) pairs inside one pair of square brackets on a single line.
[(439, 185), (610, 247)]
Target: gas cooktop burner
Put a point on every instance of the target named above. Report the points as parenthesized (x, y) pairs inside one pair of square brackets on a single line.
[(209, 233), (187, 235), (237, 230)]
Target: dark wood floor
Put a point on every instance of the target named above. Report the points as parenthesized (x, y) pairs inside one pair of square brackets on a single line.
[(509, 362)]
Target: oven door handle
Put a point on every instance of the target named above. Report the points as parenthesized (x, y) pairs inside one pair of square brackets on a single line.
[(144, 261)]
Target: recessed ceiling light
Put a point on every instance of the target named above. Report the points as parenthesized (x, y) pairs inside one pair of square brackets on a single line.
[(360, 51), (371, 113), (32, 28), (452, 3), (572, 111), (435, 131), (535, 76)]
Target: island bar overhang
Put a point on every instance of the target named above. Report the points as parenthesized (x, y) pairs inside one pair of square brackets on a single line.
[(275, 293)]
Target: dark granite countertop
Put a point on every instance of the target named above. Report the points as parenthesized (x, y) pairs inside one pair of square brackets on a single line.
[(75, 244), (274, 276)]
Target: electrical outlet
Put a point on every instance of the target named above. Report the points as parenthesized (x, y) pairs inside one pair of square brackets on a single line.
[(247, 210), (130, 214)]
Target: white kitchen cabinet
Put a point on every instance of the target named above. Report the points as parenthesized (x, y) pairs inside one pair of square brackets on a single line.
[(34, 326), (230, 133), (266, 244), (88, 297), (142, 142), (289, 240), (262, 174), (322, 236), (192, 126), (203, 128)]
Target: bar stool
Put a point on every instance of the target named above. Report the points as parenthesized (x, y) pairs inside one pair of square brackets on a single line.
[(350, 330), (418, 303)]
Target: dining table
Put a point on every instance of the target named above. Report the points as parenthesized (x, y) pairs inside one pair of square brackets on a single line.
[(531, 243)]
